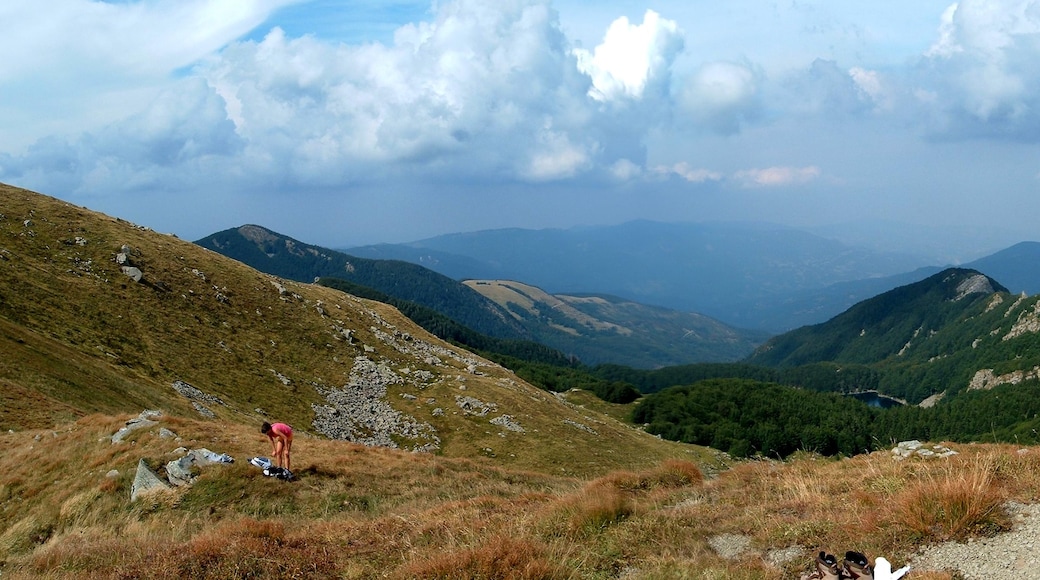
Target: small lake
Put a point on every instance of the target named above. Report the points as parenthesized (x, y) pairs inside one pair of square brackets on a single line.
[(874, 399)]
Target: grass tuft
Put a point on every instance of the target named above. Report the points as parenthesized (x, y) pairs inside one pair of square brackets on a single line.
[(501, 557), (955, 503)]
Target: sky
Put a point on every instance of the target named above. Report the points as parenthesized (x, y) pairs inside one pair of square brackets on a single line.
[(344, 123)]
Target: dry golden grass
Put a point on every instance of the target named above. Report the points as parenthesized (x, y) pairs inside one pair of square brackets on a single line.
[(359, 512), (79, 337)]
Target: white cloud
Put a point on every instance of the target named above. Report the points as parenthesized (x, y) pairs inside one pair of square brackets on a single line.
[(684, 171), (777, 176), (631, 57), (871, 85), (946, 45), (625, 170), (984, 69), (721, 96)]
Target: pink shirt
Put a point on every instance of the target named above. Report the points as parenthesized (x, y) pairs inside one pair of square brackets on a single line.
[(280, 429)]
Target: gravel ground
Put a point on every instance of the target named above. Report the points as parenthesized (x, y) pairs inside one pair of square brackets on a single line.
[(1013, 555)]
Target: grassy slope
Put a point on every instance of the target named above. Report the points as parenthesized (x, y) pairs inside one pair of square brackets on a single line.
[(362, 512), (85, 338)]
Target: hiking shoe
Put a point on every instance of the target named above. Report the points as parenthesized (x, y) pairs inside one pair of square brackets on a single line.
[(856, 566), (826, 568)]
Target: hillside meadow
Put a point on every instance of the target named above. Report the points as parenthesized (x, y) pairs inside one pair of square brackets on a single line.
[(363, 512), (520, 483)]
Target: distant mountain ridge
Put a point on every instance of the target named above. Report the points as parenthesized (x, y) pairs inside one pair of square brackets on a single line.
[(688, 337), (736, 273), (283, 256), (607, 329), (747, 275)]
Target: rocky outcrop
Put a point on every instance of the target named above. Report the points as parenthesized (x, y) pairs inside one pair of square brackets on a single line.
[(907, 449), (146, 482), (143, 421), (359, 411), (179, 472), (1028, 321), (986, 379), (974, 284), (185, 470)]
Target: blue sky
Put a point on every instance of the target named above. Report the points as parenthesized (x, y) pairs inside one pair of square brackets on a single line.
[(342, 123)]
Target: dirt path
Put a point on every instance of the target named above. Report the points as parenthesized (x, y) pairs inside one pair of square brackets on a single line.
[(1013, 555)]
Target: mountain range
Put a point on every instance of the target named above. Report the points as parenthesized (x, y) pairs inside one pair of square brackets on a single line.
[(593, 328), (758, 276)]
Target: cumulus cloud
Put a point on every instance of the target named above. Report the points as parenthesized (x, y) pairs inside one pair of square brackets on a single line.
[(122, 39), (691, 174), (777, 176), (491, 83), (722, 96), (76, 65), (480, 91), (827, 89), (631, 58), (981, 76)]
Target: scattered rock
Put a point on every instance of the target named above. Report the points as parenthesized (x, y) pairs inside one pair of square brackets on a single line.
[(474, 406), (185, 471), (781, 556), (146, 482), (508, 423), (359, 411), (203, 410), (133, 272), (729, 546), (180, 472), (194, 394), (142, 421), (907, 449), (577, 425)]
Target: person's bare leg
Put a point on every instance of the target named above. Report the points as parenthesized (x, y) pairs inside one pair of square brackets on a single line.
[(279, 452)]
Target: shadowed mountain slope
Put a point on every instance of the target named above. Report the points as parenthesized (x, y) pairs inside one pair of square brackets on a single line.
[(879, 328), (283, 256)]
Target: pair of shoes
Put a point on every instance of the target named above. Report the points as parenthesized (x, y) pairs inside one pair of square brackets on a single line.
[(856, 566), (826, 568), (279, 472)]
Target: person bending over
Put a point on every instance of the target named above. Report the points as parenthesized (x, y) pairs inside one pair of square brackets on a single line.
[(280, 435)]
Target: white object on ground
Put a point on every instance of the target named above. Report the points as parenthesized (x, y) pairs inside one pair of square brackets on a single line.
[(883, 570)]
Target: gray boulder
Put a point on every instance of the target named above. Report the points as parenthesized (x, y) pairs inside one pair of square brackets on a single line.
[(146, 482)]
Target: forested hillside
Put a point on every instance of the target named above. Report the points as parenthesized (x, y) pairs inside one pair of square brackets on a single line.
[(957, 347)]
